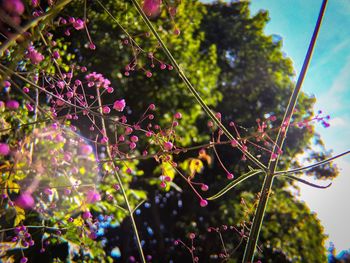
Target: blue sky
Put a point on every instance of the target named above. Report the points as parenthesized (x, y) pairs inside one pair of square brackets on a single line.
[(328, 79)]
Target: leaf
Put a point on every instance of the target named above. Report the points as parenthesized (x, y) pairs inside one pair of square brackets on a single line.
[(175, 186), (12, 187), (20, 215), (138, 194), (204, 156), (168, 170), (195, 166), (78, 222), (5, 246), (234, 183)]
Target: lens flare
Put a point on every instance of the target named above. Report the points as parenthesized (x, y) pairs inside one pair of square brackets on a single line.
[(57, 172)]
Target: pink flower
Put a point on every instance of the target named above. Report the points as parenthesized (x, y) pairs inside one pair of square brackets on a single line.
[(35, 3), (119, 105), (14, 7), (4, 149), (48, 191), (25, 201), (92, 196), (7, 84), (168, 146), (56, 54), (29, 107), (78, 24), (85, 149), (87, 215), (151, 7), (12, 104), (34, 56)]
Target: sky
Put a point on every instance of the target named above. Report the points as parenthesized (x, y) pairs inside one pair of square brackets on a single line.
[(328, 79)]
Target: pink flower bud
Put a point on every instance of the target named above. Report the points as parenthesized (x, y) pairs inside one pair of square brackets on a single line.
[(14, 7), (29, 107), (168, 146), (106, 110), (203, 203), (85, 149), (204, 187), (134, 138), (4, 149), (132, 146), (229, 176), (178, 115), (78, 24), (56, 55), (92, 196), (25, 201), (34, 56), (12, 105), (151, 7), (87, 215)]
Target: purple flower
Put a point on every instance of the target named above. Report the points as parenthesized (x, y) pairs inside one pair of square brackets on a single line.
[(56, 54), (4, 149), (34, 56), (78, 24), (12, 104), (85, 149), (25, 200), (151, 7), (35, 3), (87, 215), (92, 196), (7, 84), (14, 7), (168, 146)]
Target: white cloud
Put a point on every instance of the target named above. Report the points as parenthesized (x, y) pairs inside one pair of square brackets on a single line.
[(337, 122), (336, 97)]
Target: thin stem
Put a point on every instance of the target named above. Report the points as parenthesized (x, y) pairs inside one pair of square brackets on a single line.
[(44, 227), (298, 170), (268, 181), (306, 182), (117, 176), (182, 75)]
